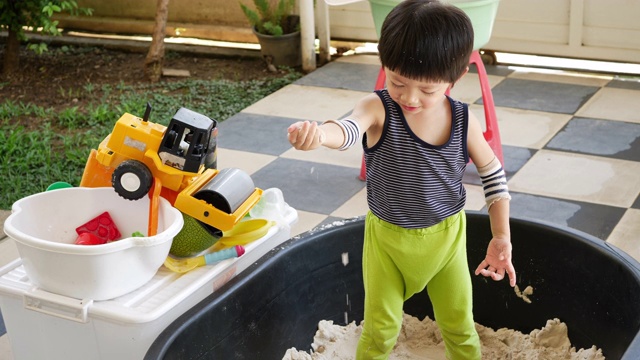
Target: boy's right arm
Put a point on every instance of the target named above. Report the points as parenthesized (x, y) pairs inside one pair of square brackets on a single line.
[(309, 135)]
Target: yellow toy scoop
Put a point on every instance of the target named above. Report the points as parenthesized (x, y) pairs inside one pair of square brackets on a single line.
[(187, 264), (244, 232)]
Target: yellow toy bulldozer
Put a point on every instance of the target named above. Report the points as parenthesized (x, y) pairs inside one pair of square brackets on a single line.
[(140, 157)]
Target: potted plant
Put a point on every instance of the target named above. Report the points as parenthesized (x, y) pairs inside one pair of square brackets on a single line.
[(277, 30)]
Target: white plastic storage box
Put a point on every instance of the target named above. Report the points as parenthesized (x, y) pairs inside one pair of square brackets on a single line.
[(42, 325)]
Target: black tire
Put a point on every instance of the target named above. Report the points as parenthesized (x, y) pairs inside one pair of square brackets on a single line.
[(132, 179)]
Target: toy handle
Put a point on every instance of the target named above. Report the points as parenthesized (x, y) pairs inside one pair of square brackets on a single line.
[(230, 253), (154, 203)]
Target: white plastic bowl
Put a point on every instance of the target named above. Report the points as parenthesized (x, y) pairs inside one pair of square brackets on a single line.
[(43, 226)]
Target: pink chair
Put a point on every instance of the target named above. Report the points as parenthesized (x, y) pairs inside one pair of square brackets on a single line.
[(492, 132)]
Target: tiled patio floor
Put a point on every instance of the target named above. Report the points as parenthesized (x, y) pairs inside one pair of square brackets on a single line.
[(570, 140), (571, 144)]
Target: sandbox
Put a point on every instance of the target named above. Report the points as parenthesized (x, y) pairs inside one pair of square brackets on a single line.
[(278, 301)]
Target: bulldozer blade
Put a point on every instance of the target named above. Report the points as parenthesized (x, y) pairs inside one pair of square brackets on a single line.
[(96, 174)]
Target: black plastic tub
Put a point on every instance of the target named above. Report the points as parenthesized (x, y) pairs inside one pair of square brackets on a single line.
[(277, 303)]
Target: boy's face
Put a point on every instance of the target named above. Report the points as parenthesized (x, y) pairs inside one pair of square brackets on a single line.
[(414, 96)]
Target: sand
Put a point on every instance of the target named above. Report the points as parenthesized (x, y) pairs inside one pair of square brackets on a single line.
[(422, 340)]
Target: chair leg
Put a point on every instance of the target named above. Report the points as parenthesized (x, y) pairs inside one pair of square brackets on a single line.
[(492, 132), (363, 170), (380, 81)]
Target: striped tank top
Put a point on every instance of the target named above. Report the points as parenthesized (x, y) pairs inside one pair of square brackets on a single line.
[(411, 183)]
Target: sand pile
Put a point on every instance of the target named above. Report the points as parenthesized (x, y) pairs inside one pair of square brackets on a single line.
[(422, 340)]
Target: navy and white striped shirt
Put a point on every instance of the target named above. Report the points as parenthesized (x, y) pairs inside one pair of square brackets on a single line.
[(411, 183)]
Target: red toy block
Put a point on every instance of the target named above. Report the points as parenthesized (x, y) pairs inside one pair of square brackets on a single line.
[(89, 239), (101, 226)]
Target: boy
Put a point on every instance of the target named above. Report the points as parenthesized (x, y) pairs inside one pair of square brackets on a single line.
[(417, 142)]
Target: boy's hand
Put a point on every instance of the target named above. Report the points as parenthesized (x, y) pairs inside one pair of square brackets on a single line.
[(305, 135), (498, 261)]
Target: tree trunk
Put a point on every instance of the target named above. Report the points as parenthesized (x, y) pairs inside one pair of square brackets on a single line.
[(155, 57), (11, 59)]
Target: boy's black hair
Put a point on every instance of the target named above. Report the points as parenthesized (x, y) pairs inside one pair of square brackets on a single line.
[(426, 40)]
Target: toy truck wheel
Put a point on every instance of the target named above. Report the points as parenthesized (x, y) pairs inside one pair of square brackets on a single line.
[(132, 179)]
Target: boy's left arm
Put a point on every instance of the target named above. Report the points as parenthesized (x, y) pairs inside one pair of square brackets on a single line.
[(497, 262)]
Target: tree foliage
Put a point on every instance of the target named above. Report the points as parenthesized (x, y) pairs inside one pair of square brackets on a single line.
[(37, 16), (19, 16)]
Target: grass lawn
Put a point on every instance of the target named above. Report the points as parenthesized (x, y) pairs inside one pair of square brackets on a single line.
[(42, 145)]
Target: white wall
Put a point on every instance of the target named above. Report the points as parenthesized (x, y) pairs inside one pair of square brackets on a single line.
[(591, 29)]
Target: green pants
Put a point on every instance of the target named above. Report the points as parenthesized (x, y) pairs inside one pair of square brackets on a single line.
[(398, 263)]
